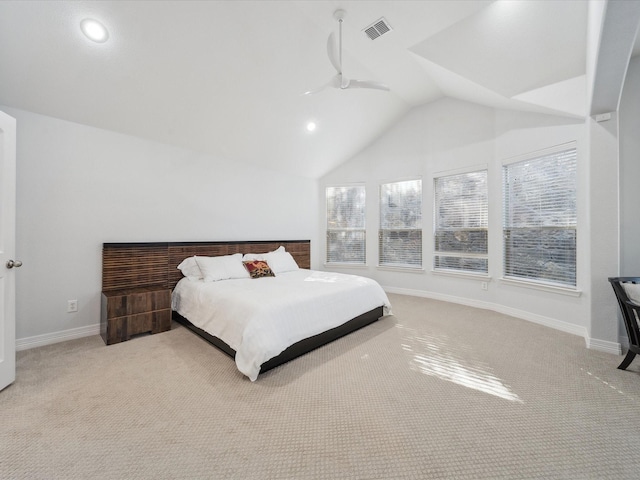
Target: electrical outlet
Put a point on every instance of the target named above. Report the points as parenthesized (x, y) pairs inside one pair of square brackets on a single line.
[(484, 285), (72, 306)]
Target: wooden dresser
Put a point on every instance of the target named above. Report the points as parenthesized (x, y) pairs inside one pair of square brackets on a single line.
[(132, 311)]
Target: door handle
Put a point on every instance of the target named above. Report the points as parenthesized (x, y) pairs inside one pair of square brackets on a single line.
[(14, 263)]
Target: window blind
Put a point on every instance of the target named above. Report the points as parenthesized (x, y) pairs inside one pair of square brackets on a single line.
[(346, 225), (461, 210), (540, 218), (400, 235)]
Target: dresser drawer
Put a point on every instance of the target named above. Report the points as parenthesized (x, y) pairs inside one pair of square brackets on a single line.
[(152, 322), (134, 311), (121, 303)]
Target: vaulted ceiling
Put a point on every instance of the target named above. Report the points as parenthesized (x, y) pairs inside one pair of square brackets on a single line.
[(227, 77)]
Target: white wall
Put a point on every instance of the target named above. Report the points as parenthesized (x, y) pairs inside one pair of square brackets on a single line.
[(78, 187), (449, 135), (630, 172), (603, 226)]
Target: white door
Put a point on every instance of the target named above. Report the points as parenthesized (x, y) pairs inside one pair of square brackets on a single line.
[(7, 250)]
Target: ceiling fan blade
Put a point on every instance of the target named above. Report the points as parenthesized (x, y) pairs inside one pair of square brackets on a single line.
[(366, 84), (334, 54), (334, 50), (335, 82)]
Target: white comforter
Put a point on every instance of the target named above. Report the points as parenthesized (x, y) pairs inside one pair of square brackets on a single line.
[(259, 318)]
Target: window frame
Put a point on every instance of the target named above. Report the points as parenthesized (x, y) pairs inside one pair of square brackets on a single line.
[(329, 230), (540, 282), (484, 273), (407, 231)]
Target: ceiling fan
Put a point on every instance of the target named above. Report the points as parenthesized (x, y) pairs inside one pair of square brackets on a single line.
[(335, 57)]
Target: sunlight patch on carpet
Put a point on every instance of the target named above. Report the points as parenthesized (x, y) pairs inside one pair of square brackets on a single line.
[(437, 356)]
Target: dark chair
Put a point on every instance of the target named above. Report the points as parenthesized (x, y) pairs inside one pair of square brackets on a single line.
[(630, 314)]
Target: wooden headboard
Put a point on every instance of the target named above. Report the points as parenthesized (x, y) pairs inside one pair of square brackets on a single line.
[(132, 265)]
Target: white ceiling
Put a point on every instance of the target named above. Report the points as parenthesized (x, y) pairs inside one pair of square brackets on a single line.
[(227, 77)]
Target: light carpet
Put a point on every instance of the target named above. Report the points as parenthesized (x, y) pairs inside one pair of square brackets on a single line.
[(437, 391)]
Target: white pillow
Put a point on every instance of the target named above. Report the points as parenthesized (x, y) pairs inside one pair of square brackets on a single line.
[(280, 261), (222, 268), (633, 291), (190, 269), (250, 257)]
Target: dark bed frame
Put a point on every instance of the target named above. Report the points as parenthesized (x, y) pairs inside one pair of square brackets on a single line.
[(135, 265)]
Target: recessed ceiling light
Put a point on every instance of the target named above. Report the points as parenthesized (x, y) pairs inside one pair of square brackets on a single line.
[(94, 30), (311, 126)]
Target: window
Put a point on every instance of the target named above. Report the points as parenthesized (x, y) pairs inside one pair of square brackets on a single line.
[(540, 218), (345, 225), (461, 222), (400, 236)]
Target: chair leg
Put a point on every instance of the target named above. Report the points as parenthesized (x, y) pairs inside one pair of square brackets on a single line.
[(627, 360)]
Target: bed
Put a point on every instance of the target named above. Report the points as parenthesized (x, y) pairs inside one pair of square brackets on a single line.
[(270, 331)]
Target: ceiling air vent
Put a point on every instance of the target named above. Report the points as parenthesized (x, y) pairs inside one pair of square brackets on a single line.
[(377, 28)]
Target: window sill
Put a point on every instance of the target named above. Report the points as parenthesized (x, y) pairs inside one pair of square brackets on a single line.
[(345, 265), (482, 277), (401, 269), (571, 292)]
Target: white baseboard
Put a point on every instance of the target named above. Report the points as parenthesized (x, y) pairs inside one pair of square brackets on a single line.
[(595, 344), (624, 341), (604, 346), (592, 343), (56, 337)]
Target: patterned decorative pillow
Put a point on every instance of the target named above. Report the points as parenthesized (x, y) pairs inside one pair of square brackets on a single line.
[(258, 268)]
